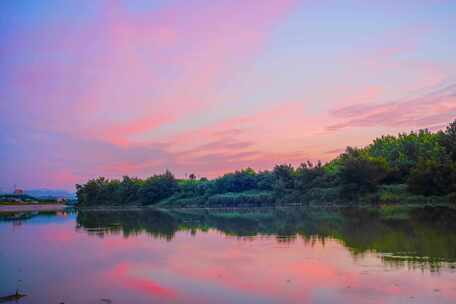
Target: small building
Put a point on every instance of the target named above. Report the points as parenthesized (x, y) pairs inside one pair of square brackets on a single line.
[(18, 191), (61, 200)]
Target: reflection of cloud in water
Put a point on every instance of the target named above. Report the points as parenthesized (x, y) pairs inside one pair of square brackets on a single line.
[(152, 256), (413, 242)]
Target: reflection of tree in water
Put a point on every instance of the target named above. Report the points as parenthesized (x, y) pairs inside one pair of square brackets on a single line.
[(416, 262), (130, 223), (425, 238)]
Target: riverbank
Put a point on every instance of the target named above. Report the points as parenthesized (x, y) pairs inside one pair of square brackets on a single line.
[(32, 207), (382, 211)]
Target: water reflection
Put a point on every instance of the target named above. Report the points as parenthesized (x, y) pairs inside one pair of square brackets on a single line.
[(426, 238), (230, 256)]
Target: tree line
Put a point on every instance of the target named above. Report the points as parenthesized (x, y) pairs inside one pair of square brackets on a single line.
[(410, 167)]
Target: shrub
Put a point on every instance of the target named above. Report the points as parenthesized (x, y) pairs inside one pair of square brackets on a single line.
[(241, 199), (433, 177), (393, 194), (158, 187), (323, 195), (360, 172), (389, 198)]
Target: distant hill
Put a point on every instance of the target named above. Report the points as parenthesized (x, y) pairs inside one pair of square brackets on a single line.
[(50, 193)]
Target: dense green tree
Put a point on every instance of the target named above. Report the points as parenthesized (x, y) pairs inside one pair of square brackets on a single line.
[(448, 140), (403, 152), (283, 178), (265, 180), (433, 177), (309, 175), (95, 191), (158, 187), (238, 181), (360, 172), (128, 190)]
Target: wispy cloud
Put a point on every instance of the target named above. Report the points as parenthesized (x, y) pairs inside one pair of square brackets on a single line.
[(426, 111), (123, 74)]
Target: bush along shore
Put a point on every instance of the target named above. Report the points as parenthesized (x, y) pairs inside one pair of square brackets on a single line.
[(415, 168)]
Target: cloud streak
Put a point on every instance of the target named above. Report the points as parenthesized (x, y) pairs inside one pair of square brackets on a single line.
[(426, 111)]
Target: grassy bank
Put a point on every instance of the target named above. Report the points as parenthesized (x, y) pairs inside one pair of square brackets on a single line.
[(387, 195)]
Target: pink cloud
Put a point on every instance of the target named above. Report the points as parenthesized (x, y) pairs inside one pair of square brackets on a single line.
[(427, 111), (137, 72)]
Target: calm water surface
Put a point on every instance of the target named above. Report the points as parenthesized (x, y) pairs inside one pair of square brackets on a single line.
[(200, 257)]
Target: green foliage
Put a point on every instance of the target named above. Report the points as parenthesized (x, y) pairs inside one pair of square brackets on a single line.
[(128, 190), (320, 195), (265, 180), (102, 191), (360, 172), (411, 168), (241, 199), (238, 181), (393, 212), (158, 187), (97, 191), (403, 152), (283, 178), (392, 194), (309, 176), (433, 177), (448, 140)]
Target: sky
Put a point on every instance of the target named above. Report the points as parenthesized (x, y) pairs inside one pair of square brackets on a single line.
[(113, 88)]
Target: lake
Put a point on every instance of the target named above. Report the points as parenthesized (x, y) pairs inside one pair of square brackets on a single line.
[(230, 256)]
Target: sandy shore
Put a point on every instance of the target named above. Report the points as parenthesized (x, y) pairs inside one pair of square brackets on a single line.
[(34, 207)]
